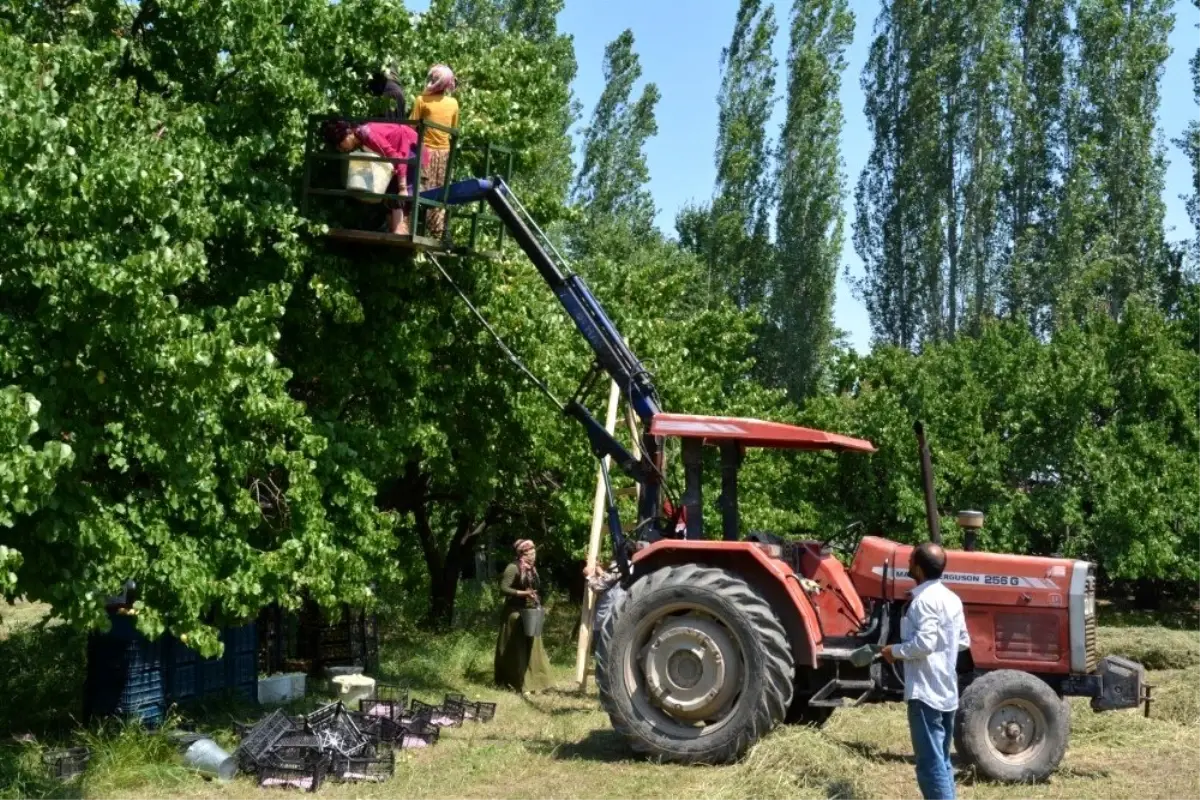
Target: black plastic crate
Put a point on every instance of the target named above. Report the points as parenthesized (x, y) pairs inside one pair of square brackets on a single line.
[(337, 730), (383, 731), (391, 691), (304, 774), (418, 710), (68, 763), (472, 711), (417, 735), (212, 676), (448, 716), (372, 768), (258, 741), (323, 714), (297, 746), (385, 709)]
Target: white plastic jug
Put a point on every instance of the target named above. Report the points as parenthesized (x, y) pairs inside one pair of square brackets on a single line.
[(368, 173)]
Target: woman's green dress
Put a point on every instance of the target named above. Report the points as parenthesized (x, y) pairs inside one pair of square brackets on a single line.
[(521, 661)]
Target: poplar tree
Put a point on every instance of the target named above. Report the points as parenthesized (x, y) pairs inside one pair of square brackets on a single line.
[(612, 183), (737, 247), (810, 219)]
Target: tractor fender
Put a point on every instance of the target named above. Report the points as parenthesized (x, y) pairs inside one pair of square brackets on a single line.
[(770, 577)]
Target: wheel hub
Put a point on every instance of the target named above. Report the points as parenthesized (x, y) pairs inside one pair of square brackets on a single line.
[(1016, 730), (691, 667)]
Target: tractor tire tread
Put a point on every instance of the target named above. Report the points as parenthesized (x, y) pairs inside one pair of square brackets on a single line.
[(776, 696), (976, 704)]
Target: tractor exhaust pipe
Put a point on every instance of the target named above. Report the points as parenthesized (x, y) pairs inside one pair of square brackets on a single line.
[(931, 513), (970, 522)]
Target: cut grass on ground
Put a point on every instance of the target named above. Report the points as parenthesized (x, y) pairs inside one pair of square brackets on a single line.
[(560, 745)]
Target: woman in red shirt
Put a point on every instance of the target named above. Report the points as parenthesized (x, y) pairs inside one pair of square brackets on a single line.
[(388, 139)]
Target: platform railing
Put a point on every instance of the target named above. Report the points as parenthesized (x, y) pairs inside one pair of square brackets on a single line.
[(493, 157)]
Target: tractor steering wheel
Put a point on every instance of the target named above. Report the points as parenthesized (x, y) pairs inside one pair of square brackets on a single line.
[(846, 543)]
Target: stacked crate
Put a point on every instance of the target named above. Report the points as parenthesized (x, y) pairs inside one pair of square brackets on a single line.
[(124, 675), (130, 676)]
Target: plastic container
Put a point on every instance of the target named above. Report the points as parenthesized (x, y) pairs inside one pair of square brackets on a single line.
[(367, 175), (124, 675), (371, 768), (414, 735), (306, 774), (532, 620), (352, 689), (277, 689), (257, 742), (66, 764), (207, 758), (448, 716)]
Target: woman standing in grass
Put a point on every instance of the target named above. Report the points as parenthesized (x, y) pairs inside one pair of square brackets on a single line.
[(521, 661), (436, 105)]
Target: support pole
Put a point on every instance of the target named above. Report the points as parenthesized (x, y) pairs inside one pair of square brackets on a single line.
[(636, 450), (931, 510), (693, 460), (731, 457), (583, 649)]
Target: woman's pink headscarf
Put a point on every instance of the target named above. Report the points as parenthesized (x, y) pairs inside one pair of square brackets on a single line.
[(525, 563), (440, 81)]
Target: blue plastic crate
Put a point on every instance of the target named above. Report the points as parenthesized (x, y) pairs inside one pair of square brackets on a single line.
[(149, 714), (242, 669), (181, 683), (242, 639), (212, 676)]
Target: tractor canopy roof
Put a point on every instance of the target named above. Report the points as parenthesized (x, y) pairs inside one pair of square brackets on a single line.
[(754, 433)]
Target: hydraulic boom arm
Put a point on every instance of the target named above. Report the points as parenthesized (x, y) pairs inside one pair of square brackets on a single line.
[(612, 354)]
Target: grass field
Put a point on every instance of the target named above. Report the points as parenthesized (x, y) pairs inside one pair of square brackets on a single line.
[(559, 744)]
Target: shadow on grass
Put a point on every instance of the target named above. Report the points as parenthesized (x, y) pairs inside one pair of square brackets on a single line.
[(842, 790), (873, 753), (604, 746), (44, 667), (1121, 614)]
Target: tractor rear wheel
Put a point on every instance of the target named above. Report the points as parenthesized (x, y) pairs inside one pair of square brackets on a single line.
[(1012, 727), (693, 666)]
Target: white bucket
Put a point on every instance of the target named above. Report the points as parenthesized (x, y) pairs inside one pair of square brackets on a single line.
[(371, 176), (353, 688), (207, 758)]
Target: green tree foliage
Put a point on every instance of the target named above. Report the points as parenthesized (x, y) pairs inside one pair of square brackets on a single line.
[(612, 179), (809, 223), (156, 276), (1085, 445), (737, 237), (885, 203), (1189, 143), (148, 261)]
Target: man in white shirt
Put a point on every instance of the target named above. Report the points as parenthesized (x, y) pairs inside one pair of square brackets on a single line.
[(932, 633)]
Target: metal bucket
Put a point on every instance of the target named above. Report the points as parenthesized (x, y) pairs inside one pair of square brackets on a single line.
[(207, 758), (532, 619)]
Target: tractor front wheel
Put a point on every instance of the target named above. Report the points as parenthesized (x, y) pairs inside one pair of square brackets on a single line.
[(1012, 727), (693, 666)]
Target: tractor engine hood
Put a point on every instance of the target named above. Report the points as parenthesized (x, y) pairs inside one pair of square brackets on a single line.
[(976, 577)]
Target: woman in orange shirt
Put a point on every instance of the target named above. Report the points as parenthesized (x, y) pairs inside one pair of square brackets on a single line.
[(435, 105)]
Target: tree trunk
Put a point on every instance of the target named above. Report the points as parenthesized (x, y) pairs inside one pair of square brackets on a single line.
[(443, 582)]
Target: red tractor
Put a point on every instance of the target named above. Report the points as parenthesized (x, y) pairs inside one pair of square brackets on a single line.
[(717, 642)]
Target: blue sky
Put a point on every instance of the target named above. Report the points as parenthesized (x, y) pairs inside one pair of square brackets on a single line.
[(680, 43)]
